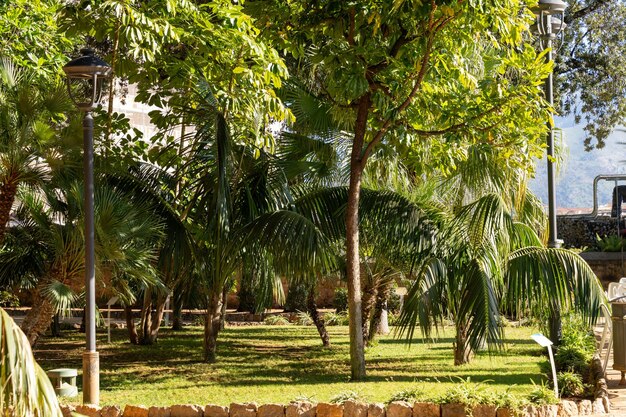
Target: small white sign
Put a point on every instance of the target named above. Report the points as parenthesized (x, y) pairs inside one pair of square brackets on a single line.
[(541, 339)]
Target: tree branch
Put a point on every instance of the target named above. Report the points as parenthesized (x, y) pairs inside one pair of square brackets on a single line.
[(578, 14)]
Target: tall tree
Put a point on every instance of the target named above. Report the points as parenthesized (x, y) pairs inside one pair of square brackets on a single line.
[(397, 72)]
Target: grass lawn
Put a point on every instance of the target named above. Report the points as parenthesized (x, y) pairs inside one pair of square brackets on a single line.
[(280, 363)]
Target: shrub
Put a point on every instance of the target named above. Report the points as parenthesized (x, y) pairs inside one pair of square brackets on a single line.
[(341, 300), (542, 395), (394, 302), (296, 297), (468, 393), (336, 319), (409, 395), (570, 384), (8, 299), (611, 243), (276, 320), (577, 347), (342, 397), (304, 319)]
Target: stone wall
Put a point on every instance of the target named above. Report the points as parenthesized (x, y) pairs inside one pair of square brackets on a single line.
[(608, 266), (566, 408), (580, 232)]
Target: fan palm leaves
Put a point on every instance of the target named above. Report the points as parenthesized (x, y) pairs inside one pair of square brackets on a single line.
[(25, 388), (29, 125)]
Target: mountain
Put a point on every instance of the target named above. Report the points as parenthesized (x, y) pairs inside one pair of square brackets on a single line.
[(575, 175)]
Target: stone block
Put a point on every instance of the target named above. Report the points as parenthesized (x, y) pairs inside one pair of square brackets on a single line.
[(505, 412), (67, 410), (484, 410), (88, 410), (607, 403), (111, 411), (186, 410), (329, 410), (270, 410), (547, 411), (584, 408), (243, 410), (453, 410), (300, 409), (598, 406), (568, 408), (376, 410), (426, 410), (399, 409), (159, 412), (215, 411), (135, 411), (353, 408)]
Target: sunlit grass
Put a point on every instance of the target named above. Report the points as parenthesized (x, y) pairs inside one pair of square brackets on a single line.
[(279, 363)]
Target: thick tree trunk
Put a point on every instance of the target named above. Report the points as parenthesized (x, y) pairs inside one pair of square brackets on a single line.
[(370, 293), (319, 322), (212, 326), (462, 348), (177, 312), (146, 316), (223, 315), (7, 198), (380, 309), (133, 337), (353, 273), (152, 324), (38, 318)]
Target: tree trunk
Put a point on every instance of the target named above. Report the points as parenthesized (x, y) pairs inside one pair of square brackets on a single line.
[(383, 323), (319, 322), (152, 322), (38, 318), (55, 328), (212, 326), (7, 198), (353, 273), (177, 311), (462, 348), (223, 315), (380, 309), (146, 316), (130, 325), (370, 293)]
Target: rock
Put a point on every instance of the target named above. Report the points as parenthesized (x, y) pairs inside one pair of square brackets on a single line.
[(329, 410), (135, 411), (186, 410), (585, 407), (426, 410), (547, 411), (399, 409), (270, 410), (215, 411), (607, 404), (484, 410), (243, 410), (598, 406), (159, 412), (88, 410), (300, 409), (354, 409), (568, 408), (452, 410), (67, 410), (111, 411), (505, 412), (376, 410)]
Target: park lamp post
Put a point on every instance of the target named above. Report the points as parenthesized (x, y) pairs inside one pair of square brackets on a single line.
[(548, 26), (85, 80)]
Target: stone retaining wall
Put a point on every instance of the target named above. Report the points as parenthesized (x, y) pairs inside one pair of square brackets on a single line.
[(567, 408)]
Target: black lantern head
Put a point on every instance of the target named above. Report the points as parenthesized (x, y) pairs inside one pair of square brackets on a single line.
[(85, 79)]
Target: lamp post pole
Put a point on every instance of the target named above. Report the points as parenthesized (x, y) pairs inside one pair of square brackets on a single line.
[(85, 79), (91, 358)]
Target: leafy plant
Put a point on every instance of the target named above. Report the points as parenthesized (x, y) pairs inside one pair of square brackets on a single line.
[(336, 319), (276, 320), (8, 299), (610, 243), (408, 395), (304, 398), (344, 396), (341, 300), (542, 395), (304, 319), (394, 303), (468, 393), (570, 384)]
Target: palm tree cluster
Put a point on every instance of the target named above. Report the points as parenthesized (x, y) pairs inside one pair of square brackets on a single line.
[(210, 209)]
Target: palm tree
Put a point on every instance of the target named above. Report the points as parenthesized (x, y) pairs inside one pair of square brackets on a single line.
[(45, 250), (30, 116), (26, 390)]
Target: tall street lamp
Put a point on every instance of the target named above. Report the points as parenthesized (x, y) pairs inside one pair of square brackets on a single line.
[(85, 79), (549, 24)]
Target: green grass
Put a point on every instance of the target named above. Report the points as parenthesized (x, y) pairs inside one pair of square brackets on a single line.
[(280, 363)]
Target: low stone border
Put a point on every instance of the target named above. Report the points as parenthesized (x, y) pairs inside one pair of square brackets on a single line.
[(567, 408)]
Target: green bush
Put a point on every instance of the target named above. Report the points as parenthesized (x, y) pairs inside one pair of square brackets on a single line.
[(611, 243), (468, 393), (304, 319), (276, 320), (342, 397), (8, 299), (341, 300), (296, 297), (542, 395), (577, 348), (336, 319), (570, 384), (394, 302), (409, 395)]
